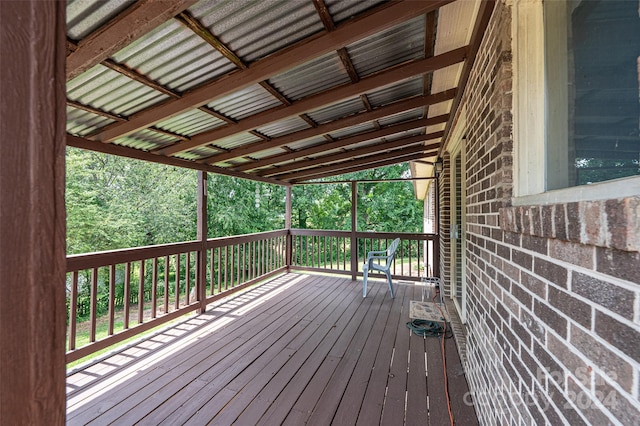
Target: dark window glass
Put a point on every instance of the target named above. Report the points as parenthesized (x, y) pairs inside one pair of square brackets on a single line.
[(604, 102)]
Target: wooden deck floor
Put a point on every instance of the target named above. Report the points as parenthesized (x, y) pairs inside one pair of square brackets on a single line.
[(298, 349)]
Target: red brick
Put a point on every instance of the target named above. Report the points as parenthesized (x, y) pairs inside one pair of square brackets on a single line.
[(560, 223), (573, 308), (534, 285), (620, 335), (550, 317), (574, 253), (615, 298), (625, 410), (574, 364), (603, 356), (620, 264), (591, 219), (534, 243), (551, 271), (573, 222), (623, 222)]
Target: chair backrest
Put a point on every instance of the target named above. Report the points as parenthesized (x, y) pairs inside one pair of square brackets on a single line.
[(391, 250)]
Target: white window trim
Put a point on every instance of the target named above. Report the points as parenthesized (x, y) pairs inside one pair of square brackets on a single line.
[(532, 118), (455, 146)]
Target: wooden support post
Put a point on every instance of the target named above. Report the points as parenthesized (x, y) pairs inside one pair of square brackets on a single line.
[(32, 229), (201, 270), (287, 225), (354, 228)]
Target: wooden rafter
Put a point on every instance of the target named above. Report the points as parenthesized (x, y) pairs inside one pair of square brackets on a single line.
[(332, 126), (351, 167), (398, 73), (341, 143), (140, 18), (429, 51), (353, 153), (280, 61), (391, 157), (137, 154)]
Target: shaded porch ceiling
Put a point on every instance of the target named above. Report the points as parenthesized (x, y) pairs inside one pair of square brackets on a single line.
[(276, 91)]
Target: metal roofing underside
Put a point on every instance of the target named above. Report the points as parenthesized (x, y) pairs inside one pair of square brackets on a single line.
[(281, 91)]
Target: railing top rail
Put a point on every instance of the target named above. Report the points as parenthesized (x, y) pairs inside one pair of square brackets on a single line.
[(365, 234), (78, 262), (244, 238)]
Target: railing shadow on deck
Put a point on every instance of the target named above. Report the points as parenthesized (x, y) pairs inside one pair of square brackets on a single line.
[(235, 306), (116, 295)]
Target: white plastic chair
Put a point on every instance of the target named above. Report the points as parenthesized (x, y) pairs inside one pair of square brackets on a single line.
[(387, 256)]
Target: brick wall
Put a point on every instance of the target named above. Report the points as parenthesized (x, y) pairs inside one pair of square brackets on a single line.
[(553, 308)]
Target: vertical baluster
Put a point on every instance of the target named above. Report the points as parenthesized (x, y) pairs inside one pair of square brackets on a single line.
[(187, 277), (166, 284), (112, 297), (141, 293), (94, 303), (344, 254), (419, 243), (244, 262), (127, 293), (177, 289), (73, 310), (154, 288), (212, 269), (409, 255), (233, 265), (219, 263), (226, 257)]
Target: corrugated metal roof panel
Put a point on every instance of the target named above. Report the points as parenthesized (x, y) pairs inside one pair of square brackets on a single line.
[(175, 57), (82, 123), (342, 10), (198, 153), (396, 92), (413, 114), (146, 140), (349, 131), (255, 29), (315, 76), (107, 90), (235, 141), (190, 123), (267, 153), (407, 134), (307, 143), (86, 16), (244, 103), (337, 110), (394, 46), (283, 127)]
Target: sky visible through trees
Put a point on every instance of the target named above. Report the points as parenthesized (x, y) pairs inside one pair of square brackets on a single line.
[(115, 202)]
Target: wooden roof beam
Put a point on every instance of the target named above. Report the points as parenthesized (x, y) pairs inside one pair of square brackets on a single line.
[(323, 129), (380, 160), (384, 78), (353, 153), (341, 143), (137, 154), (297, 54), (126, 27)]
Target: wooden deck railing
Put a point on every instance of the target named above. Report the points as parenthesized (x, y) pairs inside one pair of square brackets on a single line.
[(330, 251), (116, 295)]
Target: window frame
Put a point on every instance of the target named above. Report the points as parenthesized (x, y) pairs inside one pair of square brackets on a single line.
[(537, 171)]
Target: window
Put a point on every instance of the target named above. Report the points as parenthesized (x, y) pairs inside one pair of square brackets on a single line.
[(592, 48), (576, 93)]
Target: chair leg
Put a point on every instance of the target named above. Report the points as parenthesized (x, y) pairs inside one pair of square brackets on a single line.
[(390, 285), (365, 271)]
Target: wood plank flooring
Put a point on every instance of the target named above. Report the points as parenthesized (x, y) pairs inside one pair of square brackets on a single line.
[(299, 349)]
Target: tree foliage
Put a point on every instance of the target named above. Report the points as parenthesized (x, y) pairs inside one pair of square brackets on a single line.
[(114, 202)]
